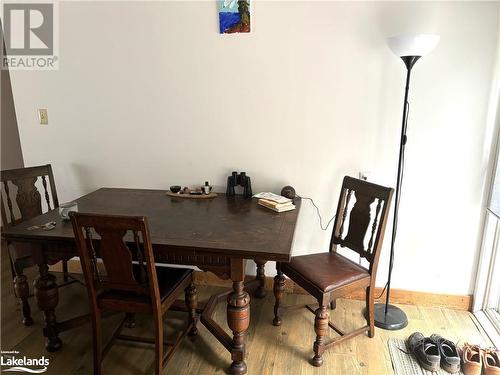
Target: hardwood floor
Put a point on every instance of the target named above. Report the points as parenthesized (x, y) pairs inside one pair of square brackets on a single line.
[(271, 350)]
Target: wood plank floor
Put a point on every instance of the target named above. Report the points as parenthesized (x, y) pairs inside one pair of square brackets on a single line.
[(271, 350)]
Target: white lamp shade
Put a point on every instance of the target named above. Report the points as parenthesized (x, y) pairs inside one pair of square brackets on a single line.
[(413, 45)]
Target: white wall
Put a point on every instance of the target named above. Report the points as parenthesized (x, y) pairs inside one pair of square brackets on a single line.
[(10, 149), (149, 95)]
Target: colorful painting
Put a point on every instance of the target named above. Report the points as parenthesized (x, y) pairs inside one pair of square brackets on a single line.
[(234, 16)]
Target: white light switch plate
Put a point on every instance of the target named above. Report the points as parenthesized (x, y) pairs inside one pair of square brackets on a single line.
[(364, 175), (43, 117)]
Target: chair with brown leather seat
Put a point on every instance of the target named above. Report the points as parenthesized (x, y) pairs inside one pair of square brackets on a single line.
[(363, 209), (120, 273), (21, 200)]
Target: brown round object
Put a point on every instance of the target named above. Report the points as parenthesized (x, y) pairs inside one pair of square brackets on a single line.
[(288, 192)]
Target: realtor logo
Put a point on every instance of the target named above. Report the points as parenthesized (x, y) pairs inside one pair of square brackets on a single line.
[(29, 33), (9, 362), (29, 29)]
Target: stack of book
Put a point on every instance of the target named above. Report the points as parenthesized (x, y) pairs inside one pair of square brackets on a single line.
[(275, 202)]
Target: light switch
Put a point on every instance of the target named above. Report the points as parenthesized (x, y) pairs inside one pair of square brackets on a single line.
[(364, 175), (43, 117)]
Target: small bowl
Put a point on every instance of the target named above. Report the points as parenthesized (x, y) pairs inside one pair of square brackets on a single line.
[(175, 189)]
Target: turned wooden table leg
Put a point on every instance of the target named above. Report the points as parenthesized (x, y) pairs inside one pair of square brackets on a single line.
[(238, 317), (22, 291), (261, 278), (191, 299), (279, 291), (47, 298)]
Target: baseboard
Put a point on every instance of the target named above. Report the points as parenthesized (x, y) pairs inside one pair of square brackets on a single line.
[(405, 297)]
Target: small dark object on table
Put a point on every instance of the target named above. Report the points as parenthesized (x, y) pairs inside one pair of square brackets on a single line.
[(175, 188), (191, 191), (288, 192), (239, 180)]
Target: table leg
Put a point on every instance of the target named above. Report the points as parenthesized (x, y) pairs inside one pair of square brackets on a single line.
[(279, 291), (47, 298), (261, 278), (191, 299), (238, 316)]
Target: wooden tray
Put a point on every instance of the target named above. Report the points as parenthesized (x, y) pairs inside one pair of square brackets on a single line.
[(192, 196)]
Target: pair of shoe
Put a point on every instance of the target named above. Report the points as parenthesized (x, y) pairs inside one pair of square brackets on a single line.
[(434, 352), (475, 359)]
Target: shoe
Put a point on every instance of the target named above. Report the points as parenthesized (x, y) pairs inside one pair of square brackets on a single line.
[(472, 362), (491, 362), (425, 350), (450, 359)]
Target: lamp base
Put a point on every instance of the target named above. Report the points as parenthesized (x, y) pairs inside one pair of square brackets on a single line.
[(394, 319)]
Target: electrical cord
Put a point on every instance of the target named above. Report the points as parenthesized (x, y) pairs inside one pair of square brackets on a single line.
[(383, 291), (319, 214), (397, 199), (325, 228)]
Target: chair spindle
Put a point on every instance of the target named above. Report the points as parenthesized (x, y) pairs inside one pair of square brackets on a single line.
[(374, 226), (139, 257), (9, 202), (344, 215), (47, 198), (93, 255)]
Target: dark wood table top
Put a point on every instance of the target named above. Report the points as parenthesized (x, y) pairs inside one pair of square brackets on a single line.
[(227, 225)]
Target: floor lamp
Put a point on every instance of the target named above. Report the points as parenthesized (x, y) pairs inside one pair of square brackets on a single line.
[(409, 48)]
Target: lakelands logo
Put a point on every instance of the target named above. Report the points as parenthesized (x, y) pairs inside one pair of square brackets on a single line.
[(10, 361), (30, 33)]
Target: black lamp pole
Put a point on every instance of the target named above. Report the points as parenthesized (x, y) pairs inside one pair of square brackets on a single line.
[(389, 316)]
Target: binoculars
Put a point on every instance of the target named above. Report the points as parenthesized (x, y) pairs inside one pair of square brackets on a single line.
[(242, 180)]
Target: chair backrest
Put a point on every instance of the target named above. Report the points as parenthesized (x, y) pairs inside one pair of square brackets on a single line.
[(360, 222), (28, 200), (117, 240)]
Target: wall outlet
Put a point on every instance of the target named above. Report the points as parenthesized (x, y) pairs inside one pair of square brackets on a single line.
[(364, 175), (43, 116)]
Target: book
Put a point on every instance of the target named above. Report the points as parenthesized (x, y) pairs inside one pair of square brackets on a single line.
[(273, 197), (283, 208), (272, 204)]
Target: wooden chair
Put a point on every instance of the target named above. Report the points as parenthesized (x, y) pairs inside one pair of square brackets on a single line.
[(328, 276), (117, 284), (28, 204)]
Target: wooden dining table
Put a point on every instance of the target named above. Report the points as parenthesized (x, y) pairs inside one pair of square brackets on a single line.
[(217, 235)]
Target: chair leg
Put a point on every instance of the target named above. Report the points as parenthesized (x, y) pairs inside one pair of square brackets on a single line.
[(370, 314), (279, 290), (191, 299), (261, 277), (12, 270), (22, 291), (333, 304), (97, 338), (158, 345), (321, 329), (130, 320), (65, 270)]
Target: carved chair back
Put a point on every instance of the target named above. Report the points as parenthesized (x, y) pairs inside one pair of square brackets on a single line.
[(27, 202), (117, 241), (361, 219)]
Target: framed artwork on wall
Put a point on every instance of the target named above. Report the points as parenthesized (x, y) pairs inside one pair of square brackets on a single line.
[(234, 16)]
